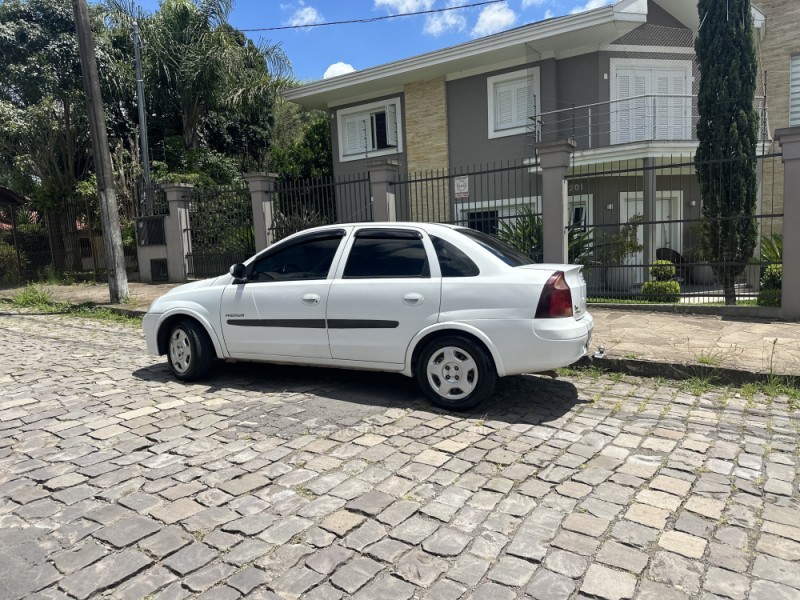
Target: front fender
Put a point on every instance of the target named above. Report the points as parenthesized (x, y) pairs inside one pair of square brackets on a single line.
[(202, 316), (452, 326)]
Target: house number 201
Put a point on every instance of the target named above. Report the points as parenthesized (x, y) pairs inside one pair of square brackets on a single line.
[(575, 187)]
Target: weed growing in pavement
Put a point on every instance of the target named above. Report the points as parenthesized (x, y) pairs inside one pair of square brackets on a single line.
[(32, 296), (39, 299), (711, 361), (630, 355), (590, 371)]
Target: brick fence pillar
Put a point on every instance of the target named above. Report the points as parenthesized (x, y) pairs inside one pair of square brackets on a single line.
[(554, 162), (262, 194), (176, 230), (789, 140)]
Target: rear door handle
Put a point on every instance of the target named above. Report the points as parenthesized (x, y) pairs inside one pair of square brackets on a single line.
[(311, 299), (413, 298)]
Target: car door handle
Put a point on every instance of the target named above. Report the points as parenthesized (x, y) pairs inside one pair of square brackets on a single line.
[(413, 298), (311, 299)]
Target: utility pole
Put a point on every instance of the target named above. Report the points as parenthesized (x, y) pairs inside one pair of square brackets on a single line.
[(137, 43), (109, 212)]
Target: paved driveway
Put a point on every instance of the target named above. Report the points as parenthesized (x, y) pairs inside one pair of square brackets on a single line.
[(265, 482)]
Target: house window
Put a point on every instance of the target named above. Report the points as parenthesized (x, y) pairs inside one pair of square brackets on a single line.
[(650, 100), (513, 102), (369, 130), (794, 92)]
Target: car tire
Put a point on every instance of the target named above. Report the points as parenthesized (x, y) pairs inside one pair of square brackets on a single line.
[(455, 373), (189, 351)]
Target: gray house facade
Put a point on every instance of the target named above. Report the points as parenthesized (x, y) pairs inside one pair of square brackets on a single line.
[(620, 81)]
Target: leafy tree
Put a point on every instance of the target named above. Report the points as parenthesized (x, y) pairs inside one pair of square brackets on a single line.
[(44, 133), (310, 156), (727, 131), (197, 65)]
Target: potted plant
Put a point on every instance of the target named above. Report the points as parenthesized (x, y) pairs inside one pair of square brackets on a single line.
[(616, 253), (700, 271)]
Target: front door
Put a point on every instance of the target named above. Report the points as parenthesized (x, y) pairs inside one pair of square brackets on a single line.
[(384, 296), (280, 310)]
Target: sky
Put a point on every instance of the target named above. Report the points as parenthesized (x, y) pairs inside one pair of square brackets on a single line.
[(321, 52)]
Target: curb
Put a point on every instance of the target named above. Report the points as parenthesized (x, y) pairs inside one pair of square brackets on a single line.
[(680, 371)]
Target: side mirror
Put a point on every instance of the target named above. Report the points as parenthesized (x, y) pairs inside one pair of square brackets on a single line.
[(239, 273)]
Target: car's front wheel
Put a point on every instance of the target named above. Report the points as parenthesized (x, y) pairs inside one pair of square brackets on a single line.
[(455, 373), (189, 351)]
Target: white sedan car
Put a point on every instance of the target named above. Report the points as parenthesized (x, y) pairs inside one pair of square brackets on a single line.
[(450, 306)]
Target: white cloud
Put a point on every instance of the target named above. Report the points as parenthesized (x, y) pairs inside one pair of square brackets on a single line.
[(306, 15), (548, 14), (494, 18), (404, 6), (336, 69), (443, 22), (590, 5), (529, 3)]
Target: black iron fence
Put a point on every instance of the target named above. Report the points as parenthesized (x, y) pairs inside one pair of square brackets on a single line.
[(649, 238), (499, 199), (220, 229), (65, 242), (302, 203)]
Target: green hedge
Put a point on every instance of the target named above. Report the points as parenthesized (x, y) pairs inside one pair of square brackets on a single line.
[(662, 270), (771, 284), (661, 291)]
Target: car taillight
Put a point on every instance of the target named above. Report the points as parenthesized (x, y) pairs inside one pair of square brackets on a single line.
[(556, 298)]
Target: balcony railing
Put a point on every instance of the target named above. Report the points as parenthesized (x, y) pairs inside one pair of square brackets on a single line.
[(644, 118)]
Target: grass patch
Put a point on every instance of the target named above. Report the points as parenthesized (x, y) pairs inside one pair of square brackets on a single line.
[(711, 361), (773, 387), (36, 298), (698, 385), (590, 371)]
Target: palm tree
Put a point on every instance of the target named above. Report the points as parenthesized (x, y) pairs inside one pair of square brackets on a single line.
[(196, 62)]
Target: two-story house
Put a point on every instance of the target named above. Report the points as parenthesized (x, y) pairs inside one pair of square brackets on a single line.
[(621, 81)]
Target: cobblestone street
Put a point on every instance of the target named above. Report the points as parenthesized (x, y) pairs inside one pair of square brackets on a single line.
[(265, 481)]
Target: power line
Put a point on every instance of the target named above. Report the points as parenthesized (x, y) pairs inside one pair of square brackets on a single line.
[(374, 19)]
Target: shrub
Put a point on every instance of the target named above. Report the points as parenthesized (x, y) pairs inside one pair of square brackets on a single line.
[(662, 270), (9, 270), (771, 284), (661, 291)]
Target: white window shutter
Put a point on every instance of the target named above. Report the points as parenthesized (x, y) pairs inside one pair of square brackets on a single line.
[(351, 136), (794, 92), (355, 135), (391, 125), (522, 108), (621, 111), (504, 106)]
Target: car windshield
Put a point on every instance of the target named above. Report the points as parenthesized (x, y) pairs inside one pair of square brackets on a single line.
[(501, 250)]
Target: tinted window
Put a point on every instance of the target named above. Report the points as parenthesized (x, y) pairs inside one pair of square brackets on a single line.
[(501, 250), (309, 259), (452, 261), (377, 257)]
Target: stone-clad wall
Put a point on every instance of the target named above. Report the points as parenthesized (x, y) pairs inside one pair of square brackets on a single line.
[(427, 147), (780, 43)]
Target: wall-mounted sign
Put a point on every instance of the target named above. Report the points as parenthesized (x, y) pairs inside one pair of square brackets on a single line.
[(461, 184)]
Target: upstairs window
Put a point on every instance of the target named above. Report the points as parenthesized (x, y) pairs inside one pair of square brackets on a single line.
[(369, 130), (513, 102)]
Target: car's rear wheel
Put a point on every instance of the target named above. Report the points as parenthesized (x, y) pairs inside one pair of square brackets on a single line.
[(189, 351), (455, 373)]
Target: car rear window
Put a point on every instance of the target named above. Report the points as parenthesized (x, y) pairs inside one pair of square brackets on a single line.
[(501, 250), (452, 261)]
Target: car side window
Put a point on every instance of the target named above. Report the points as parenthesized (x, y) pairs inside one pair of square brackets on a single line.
[(387, 253), (452, 261), (307, 259)]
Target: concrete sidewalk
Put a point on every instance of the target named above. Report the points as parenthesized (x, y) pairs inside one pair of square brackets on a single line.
[(638, 341)]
